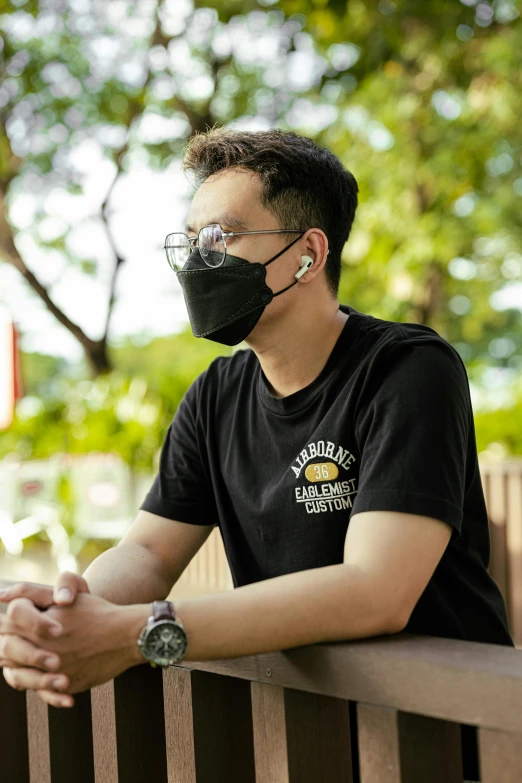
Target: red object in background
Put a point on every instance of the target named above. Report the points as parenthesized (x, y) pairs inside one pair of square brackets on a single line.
[(17, 364), (11, 387), (31, 488)]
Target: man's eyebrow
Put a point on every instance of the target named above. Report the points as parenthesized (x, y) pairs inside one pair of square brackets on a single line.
[(226, 220)]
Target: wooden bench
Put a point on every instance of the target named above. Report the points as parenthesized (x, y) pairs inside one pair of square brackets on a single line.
[(382, 710)]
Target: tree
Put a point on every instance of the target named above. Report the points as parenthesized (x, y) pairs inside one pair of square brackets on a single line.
[(419, 99), (56, 93)]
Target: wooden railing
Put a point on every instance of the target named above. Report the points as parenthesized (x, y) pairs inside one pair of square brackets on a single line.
[(384, 710)]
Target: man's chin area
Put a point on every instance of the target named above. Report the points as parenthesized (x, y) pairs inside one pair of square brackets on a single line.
[(255, 340), (265, 331)]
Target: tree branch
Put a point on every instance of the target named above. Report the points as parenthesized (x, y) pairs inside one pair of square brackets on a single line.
[(12, 256), (157, 39), (119, 259)]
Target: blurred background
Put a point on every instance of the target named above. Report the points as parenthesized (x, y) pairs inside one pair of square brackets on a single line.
[(420, 99)]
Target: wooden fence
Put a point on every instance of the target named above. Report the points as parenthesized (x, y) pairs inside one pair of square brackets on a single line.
[(385, 710), (502, 484)]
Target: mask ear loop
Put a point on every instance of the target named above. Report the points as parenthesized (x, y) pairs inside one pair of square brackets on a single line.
[(286, 289), (284, 250), (277, 256)]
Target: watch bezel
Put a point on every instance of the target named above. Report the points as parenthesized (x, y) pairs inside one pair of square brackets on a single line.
[(162, 661)]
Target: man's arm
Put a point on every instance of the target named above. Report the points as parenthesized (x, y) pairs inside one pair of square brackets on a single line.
[(147, 562), (143, 567), (389, 559)]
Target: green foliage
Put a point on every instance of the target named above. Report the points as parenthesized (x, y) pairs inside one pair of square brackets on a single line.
[(39, 372), (498, 431), (113, 413), (126, 412), (169, 364), (430, 128), (421, 100)]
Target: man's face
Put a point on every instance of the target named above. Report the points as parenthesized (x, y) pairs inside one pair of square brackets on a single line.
[(235, 194)]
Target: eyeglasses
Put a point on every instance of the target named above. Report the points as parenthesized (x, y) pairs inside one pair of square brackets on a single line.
[(211, 241)]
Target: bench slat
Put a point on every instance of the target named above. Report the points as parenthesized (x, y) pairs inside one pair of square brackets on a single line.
[(14, 757), (500, 756), (514, 546), (300, 737), (39, 749), (177, 689), (398, 747), (129, 728), (218, 712), (104, 733)]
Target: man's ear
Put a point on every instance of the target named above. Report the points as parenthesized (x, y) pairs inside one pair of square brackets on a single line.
[(317, 253), (317, 248)]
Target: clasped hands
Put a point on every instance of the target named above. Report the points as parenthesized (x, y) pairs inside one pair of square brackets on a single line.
[(58, 643)]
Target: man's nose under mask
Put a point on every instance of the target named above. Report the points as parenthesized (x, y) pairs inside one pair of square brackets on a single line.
[(225, 303)]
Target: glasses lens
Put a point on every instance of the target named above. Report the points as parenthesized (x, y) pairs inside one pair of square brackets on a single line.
[(177, 248), (212, 245)]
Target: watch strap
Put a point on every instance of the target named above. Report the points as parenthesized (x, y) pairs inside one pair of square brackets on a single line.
[(163, 610)]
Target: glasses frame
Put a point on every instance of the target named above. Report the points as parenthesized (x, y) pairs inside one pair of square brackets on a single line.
[(194, 241)]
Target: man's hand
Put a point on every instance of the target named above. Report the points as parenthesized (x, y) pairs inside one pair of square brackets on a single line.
[(97, 643), (17, 652)]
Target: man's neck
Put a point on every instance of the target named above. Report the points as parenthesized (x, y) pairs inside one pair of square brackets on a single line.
[(299, 355)]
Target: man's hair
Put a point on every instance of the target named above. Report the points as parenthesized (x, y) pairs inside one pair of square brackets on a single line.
[(304, 185)]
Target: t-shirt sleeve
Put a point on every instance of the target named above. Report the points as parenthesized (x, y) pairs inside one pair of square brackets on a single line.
[(413, 434), (182, 489)]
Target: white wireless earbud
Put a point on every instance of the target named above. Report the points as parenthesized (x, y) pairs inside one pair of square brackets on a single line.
[(306, 263)]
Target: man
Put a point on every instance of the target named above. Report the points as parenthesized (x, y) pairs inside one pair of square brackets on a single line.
[(336, 454)]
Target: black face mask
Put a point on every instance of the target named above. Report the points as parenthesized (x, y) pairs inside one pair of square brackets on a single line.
[(224, 303)]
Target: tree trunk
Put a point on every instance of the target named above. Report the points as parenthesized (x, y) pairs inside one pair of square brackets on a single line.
[(429, 301), (97, 357), (95, 350)]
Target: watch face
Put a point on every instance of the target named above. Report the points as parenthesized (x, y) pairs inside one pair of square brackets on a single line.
[(166, 643)]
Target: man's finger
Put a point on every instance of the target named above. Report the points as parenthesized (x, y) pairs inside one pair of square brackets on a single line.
[(31, 679), (16, 652), (24, 619), (55, 699), (68, 585), (40, 595)]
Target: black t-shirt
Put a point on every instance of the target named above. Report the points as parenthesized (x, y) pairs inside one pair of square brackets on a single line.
[(387, 425)]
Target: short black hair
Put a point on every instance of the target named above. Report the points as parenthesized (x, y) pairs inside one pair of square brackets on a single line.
[(304, 185)]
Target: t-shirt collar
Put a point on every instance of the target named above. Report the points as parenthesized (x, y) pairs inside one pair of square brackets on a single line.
[(293, 403)]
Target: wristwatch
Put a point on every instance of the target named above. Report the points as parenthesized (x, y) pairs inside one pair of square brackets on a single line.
[(163, 641)]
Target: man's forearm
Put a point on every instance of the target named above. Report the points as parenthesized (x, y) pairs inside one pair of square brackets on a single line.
[(127, 574), (333, 603)]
